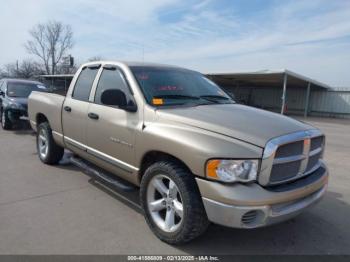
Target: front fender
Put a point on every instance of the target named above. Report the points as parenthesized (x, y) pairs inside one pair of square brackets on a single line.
[(192, 145)]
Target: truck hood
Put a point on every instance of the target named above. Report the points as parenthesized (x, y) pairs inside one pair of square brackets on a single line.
[(245, 123)]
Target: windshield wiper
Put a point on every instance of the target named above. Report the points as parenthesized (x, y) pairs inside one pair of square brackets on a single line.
[(177, 97), (217, 99), (214, 97)]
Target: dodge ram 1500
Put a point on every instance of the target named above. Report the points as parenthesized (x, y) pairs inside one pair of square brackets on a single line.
[(197, 156)]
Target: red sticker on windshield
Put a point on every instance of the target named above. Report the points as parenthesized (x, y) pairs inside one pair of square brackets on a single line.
[(169, 88)]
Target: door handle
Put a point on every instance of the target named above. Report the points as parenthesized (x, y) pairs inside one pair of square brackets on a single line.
[(93, 116), (67, 108)]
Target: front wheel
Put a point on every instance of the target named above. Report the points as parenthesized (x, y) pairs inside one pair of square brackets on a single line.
[(172, 204), (49, 152), (5, 121)]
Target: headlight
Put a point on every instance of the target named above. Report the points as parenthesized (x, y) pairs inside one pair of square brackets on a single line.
[(14, 105), (232, 170)]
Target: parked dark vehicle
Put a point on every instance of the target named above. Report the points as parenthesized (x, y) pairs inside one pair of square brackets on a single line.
[(14, 95)]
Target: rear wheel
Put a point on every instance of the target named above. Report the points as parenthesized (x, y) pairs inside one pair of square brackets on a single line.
[(172, 203), (5, 121), (49, 152)]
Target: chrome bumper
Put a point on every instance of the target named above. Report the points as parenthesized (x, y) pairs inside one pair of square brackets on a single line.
[(251, 209)]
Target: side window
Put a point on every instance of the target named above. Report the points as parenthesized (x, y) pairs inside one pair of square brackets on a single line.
[(112, 89), (84, 83)]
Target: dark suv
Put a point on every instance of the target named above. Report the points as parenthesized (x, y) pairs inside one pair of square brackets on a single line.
[(14, 99)]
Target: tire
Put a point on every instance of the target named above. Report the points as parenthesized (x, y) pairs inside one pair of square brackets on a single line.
[(194, 221), (5, 121), (48, 151)]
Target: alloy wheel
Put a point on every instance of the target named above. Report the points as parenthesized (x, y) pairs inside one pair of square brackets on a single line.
[(43, 143), (164, 203)]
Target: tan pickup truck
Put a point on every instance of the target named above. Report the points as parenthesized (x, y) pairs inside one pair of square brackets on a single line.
[(197, 156)]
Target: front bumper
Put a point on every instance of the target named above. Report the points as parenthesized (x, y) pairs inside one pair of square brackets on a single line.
[(251, 206), (17, 114)]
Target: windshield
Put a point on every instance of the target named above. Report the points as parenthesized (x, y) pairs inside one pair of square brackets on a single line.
[(173, 86), (18, 89)]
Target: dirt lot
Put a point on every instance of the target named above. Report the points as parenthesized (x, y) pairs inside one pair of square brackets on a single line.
[(57, 210)]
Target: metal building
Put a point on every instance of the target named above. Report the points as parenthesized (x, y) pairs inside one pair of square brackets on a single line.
[(56, 83), (277, 90)]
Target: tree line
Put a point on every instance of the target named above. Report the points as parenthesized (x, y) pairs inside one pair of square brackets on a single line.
[(48, 43)]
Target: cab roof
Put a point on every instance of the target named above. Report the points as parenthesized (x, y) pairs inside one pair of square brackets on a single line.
[(130, 63)]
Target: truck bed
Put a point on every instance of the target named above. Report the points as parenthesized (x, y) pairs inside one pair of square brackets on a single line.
[(49, 105)]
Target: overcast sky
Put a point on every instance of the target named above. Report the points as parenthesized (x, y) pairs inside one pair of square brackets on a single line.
[(308, 37)]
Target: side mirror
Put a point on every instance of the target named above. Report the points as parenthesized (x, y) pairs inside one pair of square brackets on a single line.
[(116, 97)]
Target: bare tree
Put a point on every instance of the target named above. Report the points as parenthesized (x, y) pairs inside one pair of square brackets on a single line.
[(9, 70), (50, 42), (2, 73), (29, 69), (25, 69)]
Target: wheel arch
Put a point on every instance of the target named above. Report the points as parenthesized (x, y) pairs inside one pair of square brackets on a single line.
[(41, 118), (154, 156)]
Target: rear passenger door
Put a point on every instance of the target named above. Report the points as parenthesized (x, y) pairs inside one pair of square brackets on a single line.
[(111, 128), (75, 109)]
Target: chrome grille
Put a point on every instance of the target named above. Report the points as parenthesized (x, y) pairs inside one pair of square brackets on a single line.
[(284, 171), (290, 157), (291, 149), (313, 160), (316, 142)]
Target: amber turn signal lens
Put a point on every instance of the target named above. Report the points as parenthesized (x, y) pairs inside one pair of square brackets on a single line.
[(211, 168), (157, 101)]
